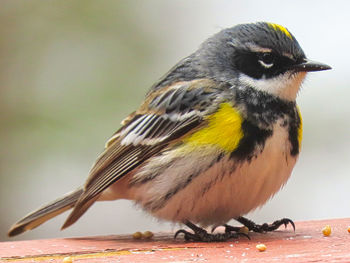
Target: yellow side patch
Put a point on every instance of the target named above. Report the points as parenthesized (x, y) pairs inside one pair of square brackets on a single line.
[(277, 27), (300, 129), (224, 130)]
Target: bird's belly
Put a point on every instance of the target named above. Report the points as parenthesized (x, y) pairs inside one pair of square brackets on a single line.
[(229, 188)]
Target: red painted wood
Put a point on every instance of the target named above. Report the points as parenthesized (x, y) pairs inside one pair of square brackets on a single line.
[(307, 244)]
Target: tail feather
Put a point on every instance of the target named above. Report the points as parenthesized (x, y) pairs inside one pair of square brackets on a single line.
[(78, 211), (45, 213)]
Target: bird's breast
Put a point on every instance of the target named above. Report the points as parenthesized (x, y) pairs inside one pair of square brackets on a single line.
[(212, 187)]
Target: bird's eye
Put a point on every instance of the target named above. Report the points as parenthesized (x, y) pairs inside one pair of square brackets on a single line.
[(267, 59)]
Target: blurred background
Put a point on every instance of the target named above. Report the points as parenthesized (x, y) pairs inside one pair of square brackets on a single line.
[(70, 71)]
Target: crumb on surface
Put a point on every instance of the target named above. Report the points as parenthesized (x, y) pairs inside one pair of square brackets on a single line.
[(137, 235), (327, 230), (244, 230), (261, 247), (147, 235)]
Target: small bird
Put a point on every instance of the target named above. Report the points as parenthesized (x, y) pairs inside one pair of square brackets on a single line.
[(215, 138)]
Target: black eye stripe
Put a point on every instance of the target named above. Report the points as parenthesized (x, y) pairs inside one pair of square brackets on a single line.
[(262, 64)]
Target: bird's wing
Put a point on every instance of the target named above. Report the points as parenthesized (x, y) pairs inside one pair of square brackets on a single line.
[(166, 116)]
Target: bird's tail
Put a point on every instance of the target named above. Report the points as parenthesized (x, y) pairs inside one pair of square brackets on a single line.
[(45, 213)]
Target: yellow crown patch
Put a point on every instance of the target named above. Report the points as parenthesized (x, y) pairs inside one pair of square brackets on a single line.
[(277, 27)]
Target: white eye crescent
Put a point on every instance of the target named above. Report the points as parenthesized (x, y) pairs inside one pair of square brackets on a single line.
[(265, 65), (267, 59)]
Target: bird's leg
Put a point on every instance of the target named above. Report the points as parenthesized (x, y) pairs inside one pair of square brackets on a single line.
[(264, 227), (202, 235)]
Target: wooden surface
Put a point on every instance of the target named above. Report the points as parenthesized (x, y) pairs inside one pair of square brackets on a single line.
[(307, 244)]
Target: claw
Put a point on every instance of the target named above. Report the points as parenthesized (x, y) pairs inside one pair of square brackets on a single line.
[(230, 231), (181, 231), (288, 221), (201, 235), (265, 227), (283, 221), (243, 234), (229, 228)]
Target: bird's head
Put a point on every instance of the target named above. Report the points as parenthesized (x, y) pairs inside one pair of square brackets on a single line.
[(263, 56)]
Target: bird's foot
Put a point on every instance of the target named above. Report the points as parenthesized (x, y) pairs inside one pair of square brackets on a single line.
[(201, 235), (263, 227)]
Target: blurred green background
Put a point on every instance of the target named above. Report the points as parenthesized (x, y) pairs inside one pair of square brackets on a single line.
[(71, 70)]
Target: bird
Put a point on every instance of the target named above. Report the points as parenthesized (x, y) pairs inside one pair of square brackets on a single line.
[(215, 138)]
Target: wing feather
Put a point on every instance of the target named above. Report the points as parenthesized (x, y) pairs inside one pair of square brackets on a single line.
[(166, 116)]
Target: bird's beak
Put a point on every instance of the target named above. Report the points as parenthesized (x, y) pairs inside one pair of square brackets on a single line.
[(309, 65)]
